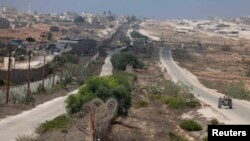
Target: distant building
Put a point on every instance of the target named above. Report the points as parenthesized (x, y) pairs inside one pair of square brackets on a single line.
[(9, 12)]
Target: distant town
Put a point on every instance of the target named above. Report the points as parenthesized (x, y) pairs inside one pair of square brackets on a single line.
[(102, 77)]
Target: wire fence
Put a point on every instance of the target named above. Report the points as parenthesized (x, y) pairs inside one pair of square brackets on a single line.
[(20, 91)]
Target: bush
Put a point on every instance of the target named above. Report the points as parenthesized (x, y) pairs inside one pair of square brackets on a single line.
[(30, 39), (248, 73), (49, 36), (170, 88), (176, 102), (175, 137), (190, 125), (79, 19), (238, 90), (193, 103), (140, 104), (60, 122), (4, 23), (117, 86), (136, 34), (120, 61), (54, 29), (162, 98), (204, 139), (214, 122)]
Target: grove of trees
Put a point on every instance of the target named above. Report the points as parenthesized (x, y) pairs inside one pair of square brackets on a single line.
[(120, 61), (118, 86), (4, 23)]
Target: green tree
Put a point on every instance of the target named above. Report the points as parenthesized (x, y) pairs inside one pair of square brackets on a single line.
[(117, 86), (54, 29), (4, 23), (49, 36), (30, 39), (79, 19), (120, 61)]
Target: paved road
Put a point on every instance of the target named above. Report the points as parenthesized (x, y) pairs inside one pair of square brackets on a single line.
[(25, 123), (240, 114)]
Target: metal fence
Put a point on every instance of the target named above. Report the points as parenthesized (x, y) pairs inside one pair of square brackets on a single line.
[(21, 90)]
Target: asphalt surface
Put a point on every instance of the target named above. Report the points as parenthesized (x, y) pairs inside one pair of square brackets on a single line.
[(240, 114)]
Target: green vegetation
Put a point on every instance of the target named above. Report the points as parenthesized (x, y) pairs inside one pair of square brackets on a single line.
[(58, 87), (140, 104), (160, 97), (79, 19), (248, 73), (204, 139), (214, 122), (60, 122), (117, 86), (30, 39), (174, 95), (4, 23), (174, 137), (49, 36), (67, 57), (120, 61), (54, 29), (190, 125), (238, 90), (136, 34), (176, 102)]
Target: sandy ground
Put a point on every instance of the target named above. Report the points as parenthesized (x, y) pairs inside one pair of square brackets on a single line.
[(146, 33), (28, 121), (107, 67), (238, 115)]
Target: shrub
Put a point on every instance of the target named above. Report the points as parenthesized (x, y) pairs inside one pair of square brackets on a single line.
[(30, 39), (54, 29), (170, 88), (79, 19), (176, 102), (204, 139), (214, 122), (60, 122), (120, 61), (190, 125), (116, 86), (136, 34), (140, 104), (4, 23), (175, 137), (238, 90), (162, 98), (193, 103), (248, 73)]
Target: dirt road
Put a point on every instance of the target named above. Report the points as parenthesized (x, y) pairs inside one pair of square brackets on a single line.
[(28, 121), (240, 114)]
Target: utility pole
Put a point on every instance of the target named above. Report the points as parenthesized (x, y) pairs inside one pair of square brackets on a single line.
[(8, 78), (43, 70), (29, 74), (92, 124)]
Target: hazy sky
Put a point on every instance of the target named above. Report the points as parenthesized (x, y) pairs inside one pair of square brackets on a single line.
[(164, 9)]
